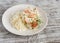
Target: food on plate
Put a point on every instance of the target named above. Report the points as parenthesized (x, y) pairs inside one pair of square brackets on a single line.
[(30, 17)]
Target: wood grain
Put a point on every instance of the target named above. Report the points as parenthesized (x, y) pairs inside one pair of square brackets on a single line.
[(50, 34)]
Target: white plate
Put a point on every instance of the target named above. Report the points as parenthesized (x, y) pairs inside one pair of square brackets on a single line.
[(10, 11)]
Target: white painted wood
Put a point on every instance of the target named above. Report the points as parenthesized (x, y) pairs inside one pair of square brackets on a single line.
[(51, 32)]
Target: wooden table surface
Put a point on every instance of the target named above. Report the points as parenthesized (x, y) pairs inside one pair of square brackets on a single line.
[(51, 34)]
